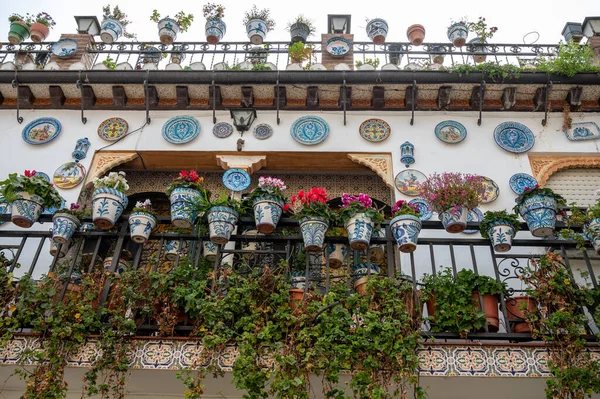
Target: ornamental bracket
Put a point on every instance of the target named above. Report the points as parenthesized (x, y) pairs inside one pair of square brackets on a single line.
[(548, 88), (147, 93), (481, 100), (277, 97), (79, 85), (345, 94), (412, 103), (15, 84)]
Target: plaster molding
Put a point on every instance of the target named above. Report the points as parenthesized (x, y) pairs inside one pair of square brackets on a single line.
[(105, 161), (250, 163), (544, 166), (378, 163)]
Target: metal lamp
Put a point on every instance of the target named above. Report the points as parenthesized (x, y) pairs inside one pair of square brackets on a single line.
[(243, 118), (572, 30), (591, 26), (337, 23), (87, 24)]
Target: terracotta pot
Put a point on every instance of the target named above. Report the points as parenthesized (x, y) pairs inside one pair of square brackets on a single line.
[(513, 306), (360, 285), (416, 34), (39, 32), (296, 297), (431, 308), (490, 307), (409, 302)]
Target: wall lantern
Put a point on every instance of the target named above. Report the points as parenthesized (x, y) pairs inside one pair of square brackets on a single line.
[(89, 25), (407, 154), (591, 26), (338, 24), (81, 149), (572, 30), (243, 118)]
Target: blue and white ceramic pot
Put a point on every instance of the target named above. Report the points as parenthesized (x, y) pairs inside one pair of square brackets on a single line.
[(250, 245), (593, 231), (141, 225), (26, 209), (406, 229), (215, 30), (267, 212), (377, 251), (183, 211), (501, 235), (458, 33), (454, 219), (222, 220), (121, 266), (111, 30), (313, 231), (361, 277), (298, 280), (174, 248), (107, 207), (359, 228), (257, 30), (209, 250), (63, 227), (478, 46), (167, 30), (539, 211), (377, 30), (63, 249), (337, 255)]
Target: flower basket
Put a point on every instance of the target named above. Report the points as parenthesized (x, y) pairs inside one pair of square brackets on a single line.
[(517, 316), (111, 30), (539, 211), (63, 227), (454, 219), (183, 211), (215, 29), (490, 307), (313, 231), (478, 46), (64, 249), (209, 250), (416, 34), (168, 29), (107, 207), (458, 33), (299, 32), (26, 209), (222, 220), (174, 248), (141, 225), (406, 229), (19, 32), (267, 212)]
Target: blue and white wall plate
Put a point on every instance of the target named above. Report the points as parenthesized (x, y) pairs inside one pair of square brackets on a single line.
[(338, 46), (310, 130), (222, 130), (51, 211), (583, 131), (181, 129), (424, 208), (450, 132), (64, 48), (236, 179), (514, 137), (520, 181), (43, 175), (475, 215), (41, 131), (262, 131)]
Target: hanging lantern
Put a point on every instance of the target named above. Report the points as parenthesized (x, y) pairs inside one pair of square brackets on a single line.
[(81, 149), (407, 154)]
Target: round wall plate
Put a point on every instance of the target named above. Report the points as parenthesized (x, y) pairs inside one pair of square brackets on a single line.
[(262, 131), (338, 46), (310, 130), (519, 182), (424, 208), (236, 179), (375, 130), (491, 192), (181, 129), (475, 215), (41, 131), (64, 48), (406, 181), (112, 129), (69, 175), (514, 137), (451, 132), (222, 130)]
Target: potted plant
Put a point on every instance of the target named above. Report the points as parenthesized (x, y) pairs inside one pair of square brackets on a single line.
[(458, 31), (538, 207), (258, 23), (19, 28), (377, 251), (215, 27), (223, 214), (480, 28), (361, 275), (168, 28), (114, 25), (416, 34), (406, 225), (359, 216), (517, 308), (300, 52), (178, 55), (373, 63), (500, 227), (40, 29), (301, 29), (185, 190), (436, 53), (109, 199), (297, 288), (337, 251), (142, 220), (268, 200), (27, 196), (490, 291), (377, 30), (452, 195), (314, 216), (66, 221)]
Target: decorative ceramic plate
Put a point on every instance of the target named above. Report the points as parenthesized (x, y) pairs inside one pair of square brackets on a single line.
[(64, 48), (69, 175), (338, 46), (41, 131), (236, 179), (44, 175), (475, 215), (262, 131), (520, 181), (375, 130), (492, 191), (181, 129), (113, 129), (583, 131), (424, 208), (514, 137), (310, 130), (51, 211), (407, 180), (222, 130), (450, 132)]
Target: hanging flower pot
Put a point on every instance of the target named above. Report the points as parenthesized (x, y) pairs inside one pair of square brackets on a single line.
[(141, 225), (478, 46), (111, 31), (174, 248), (377, 30), (63, 227), (26, 209), (209, 250), (19, 32), (39, 32), (215, 29), (593, 231), (107, 207), (183, 211), (167, 30), (406, 229), (64, 248), (222, 220), (490, 307), (361, 277), (514, 308), (436, 54), (539, 211), (377, 251), (337, 255), (416, 34), (267, 212), (299, 32), (501, 236), (122, 265), (458, 33), (313, 231), (359, 228), (257, 30), (454, 219)]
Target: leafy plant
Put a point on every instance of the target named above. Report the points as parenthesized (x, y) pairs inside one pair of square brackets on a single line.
[(537, 190), (145, 207), (205, 203), (481, 283), (28, 19), (405, 208), (120, 16), (188, 179), (300, 52), (45, 19), (181, 18), (76, 210), (213, 11), (449, 190), (493, 70), (301, 19), (31, 183), (114, 180), (110, 63), (572, 58), (269, 187), (374, 62), (261, 67), (264, 15), (312, 203), (492, 218), (480, 28)]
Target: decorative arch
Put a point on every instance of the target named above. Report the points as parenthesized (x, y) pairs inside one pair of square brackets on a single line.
[(105, 161), (544, 166), (378, 163)]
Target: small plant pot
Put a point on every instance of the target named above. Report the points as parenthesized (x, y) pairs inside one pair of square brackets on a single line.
[(209, 250), (141, 225), (377, 251), (361, 277), (215, 30), (593, 231), (222, 220), (501, 235), (167, 30), (296, 297), (121, 266), (183, 211), (377, 30), (406, 229), (513, 308), (267, 212), (174, 248), (396, 53), (359, 228), (299, 32), (257, 30), (26, 209), (111, 30), (64, 249), (63, 227), (107, 207), (337, 255), (360, 285), (19, 32), (416, 34), (313, 233), (455, 219), (477, 46), (458, 33), (177, 58), (431, 308), (250, 245), (490, 307), (436, 55), (539, 211), (39, 32)]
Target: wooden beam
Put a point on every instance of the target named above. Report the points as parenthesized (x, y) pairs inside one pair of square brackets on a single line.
[(119, 96), (509, 97), (183, 97), (475, 99), (89, 97), (25, 96), (539, 99), (378, 100), (216, 96), (408, 96), (348, 97), (443, 100), (152, 96), (57, 97), (312, 97), (1, 98), (247, 96), (574, 97)]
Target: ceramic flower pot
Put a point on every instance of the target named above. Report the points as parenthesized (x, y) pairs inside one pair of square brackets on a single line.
[(26, 209), (490, 307), (121, 266), (111, 30), (455, 219), (257, 30), (501, 235), (174, 248), (299, 32), (337, 255), (215, 30), (406, 229), (377, 30), (313, 231), (250, 245), (141, 225), (436, 55), (183, 212), (209, 250), (63, 227), (516, 315), (539, 211), (167, 30), (593, 231), (19, 32), (177, 58), (64, 249), (416, 34), (39, 32), (296, 297), (377, 251), (361, 277), (478, 47), (267, 212), (359, 228), (222, 220), (107, 207), (458, 33)]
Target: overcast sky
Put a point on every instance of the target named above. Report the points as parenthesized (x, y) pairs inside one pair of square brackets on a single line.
[(514, 18)]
